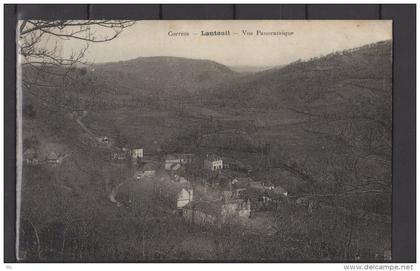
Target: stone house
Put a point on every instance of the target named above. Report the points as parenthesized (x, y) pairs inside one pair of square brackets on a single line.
[(30, 157), (180, 179), (183, 197), (54, 158), (149, 169), (240, 184), (268, 185), (278, 190), (213, 162), (103, 139), (173, 161), (176, 195), (119, 156), (137, 153)]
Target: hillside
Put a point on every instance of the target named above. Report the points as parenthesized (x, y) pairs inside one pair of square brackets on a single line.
[(321, 129), (337, 128), (346, 94), (327, 80), (163, 76)]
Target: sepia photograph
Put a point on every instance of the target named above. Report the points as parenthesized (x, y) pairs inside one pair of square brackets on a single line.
[(204, 140)]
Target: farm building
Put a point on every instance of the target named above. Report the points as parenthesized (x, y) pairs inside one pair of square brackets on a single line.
[(119, 155), (280, 191), (175, 161), (54, 158), (257, 192), (241, 183), (137, 153), (184, 197), (171, 161), (140, 174), (232, 189), (176, 195), (180, 179), (268, 185), (186, 158), (30, 157), (275, 195), (213, 162), (149, 169), (103, 139)]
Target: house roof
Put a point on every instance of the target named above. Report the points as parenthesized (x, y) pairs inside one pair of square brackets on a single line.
[(182, 180), (176, 156), (179, 178), (176, 166), (29, 153), (118, 155), (213, 157), (52, 156), (241, 182), (171, 157), (244, 179), (256, 185), (279, 190)]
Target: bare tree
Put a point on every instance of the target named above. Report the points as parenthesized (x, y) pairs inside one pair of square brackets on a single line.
[(40, 45)]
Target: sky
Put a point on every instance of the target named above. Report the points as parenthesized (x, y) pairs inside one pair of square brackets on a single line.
[(305, 39)]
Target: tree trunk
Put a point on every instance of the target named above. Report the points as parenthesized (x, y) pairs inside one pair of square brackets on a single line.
[(37, 239), (63, 244)]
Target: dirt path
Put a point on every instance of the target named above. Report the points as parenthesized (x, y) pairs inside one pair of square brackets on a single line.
[(115, 189)]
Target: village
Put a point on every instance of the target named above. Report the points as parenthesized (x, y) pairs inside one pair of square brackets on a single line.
[(207, 188), (203, 189)]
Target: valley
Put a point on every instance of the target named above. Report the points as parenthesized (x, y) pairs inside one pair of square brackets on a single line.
[(319, 129)]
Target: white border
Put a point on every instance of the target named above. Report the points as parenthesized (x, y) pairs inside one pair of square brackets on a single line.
[(183, 267)]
